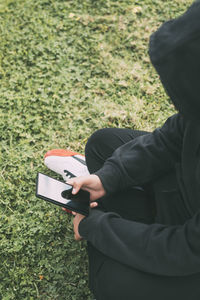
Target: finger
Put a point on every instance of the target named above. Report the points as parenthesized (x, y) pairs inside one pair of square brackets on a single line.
[(77, 238), (76, 184), (80, 182), (74, 213), (76, 188), (93, 204), (71, 181)]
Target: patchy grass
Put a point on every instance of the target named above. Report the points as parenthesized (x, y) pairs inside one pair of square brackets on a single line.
[(67, 68)]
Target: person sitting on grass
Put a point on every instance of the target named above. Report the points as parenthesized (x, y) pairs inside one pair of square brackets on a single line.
[(143, 229)]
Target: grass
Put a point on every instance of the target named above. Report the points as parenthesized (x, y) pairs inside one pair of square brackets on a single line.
[(67, 68)]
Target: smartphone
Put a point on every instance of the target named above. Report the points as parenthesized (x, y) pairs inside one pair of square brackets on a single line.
[(60, 193)]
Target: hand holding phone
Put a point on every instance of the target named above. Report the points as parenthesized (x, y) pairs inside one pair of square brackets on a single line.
[(60, 193), (90, 183)]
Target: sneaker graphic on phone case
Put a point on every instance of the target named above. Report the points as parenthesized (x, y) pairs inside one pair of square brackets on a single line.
[(66, 163)]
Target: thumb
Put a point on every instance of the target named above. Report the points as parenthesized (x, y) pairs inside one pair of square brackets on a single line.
[(75, 184)]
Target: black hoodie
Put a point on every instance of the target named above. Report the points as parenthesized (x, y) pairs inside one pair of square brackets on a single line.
[(164, 249)]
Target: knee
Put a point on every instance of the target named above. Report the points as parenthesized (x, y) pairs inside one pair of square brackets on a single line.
[(96, 139)]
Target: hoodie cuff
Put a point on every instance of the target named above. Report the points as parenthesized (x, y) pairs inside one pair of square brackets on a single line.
[(88, 225), (110, 178)]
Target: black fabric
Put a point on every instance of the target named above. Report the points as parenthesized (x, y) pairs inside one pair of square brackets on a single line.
[(164, 248), (145, 158), (110, 279), (174, 51), (101, 146)]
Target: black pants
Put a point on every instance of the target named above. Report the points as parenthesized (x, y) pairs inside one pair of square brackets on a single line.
[(111, 280)]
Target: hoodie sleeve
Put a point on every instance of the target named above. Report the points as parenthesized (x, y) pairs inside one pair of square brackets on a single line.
[(145, 158), (156, 249)]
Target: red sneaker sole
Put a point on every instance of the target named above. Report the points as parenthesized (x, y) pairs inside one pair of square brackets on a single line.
[(61, 152)]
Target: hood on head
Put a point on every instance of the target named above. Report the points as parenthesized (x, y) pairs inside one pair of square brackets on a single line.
[(174, 50)]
